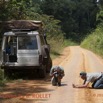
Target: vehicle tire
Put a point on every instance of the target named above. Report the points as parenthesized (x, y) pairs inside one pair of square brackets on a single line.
[(42, 72), (49, 65)]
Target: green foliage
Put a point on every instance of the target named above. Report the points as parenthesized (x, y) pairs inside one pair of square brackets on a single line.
[(94, 41), (53, 31), (17, 9), (77, 17), (100, 16)]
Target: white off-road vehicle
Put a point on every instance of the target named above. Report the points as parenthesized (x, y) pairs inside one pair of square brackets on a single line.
[(25, 48)]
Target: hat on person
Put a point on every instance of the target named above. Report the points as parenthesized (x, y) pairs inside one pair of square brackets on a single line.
[(83, 73)]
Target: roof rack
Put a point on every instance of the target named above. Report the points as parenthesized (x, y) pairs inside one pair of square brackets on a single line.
[(21, 25), (22, 30)]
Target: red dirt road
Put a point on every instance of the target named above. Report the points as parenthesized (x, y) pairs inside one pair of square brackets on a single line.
[(73, 59)]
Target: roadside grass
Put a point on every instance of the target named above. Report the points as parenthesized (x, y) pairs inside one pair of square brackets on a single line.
[(57, 47), (94, 41)]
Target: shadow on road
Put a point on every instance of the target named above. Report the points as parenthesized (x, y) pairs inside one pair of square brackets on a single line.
[(23, 88), (25, 85)]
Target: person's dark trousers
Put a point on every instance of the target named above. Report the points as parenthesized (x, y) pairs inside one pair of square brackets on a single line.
[(98, 84)]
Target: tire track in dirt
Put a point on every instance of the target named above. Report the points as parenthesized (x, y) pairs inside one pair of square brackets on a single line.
[(87, 92), (95, 64), (82, 95)]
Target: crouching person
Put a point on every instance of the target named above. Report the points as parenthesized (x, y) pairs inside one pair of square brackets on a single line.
[(57, 74), (95, 78)]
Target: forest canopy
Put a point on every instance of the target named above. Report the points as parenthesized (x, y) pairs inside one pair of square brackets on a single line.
[(74, 19)]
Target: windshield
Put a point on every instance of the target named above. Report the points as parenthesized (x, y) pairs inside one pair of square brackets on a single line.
[(27, 42)]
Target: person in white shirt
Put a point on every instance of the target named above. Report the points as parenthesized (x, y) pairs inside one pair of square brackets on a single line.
[(95, 78)]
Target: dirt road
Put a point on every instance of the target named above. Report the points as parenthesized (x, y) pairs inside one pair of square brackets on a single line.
[(73, 59)]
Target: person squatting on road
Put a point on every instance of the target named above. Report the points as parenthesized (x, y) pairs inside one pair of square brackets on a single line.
[(57, 74), (95, 78)]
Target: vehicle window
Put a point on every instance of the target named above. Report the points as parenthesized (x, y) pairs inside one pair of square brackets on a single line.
[(27, 42), (11, 40), (11, 43)]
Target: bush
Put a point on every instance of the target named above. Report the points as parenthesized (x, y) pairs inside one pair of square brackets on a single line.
[(94, 41), (2, 78)]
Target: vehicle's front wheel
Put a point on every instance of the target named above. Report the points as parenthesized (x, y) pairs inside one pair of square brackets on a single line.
[(49, 65)]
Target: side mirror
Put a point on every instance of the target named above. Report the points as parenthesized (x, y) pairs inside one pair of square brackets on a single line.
[(45, 38)]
